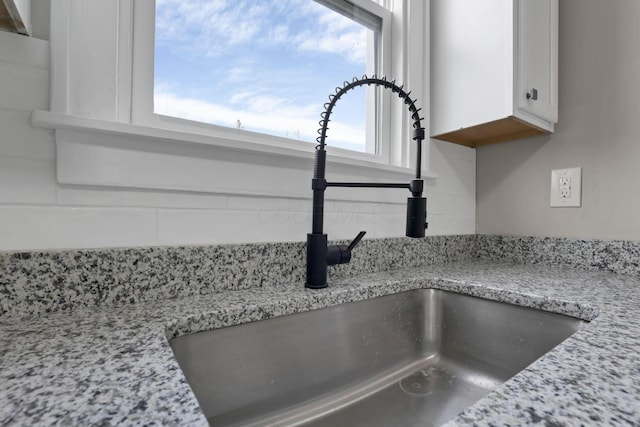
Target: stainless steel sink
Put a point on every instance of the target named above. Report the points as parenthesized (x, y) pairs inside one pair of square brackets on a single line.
[(415, 358)]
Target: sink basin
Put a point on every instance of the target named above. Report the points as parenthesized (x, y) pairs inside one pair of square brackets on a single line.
[(414, 358)]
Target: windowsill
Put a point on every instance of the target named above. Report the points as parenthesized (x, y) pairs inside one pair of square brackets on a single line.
[(104, 153)]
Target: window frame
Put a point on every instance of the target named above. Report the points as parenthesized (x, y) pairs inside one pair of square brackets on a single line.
[(103, 138), (142, 89)]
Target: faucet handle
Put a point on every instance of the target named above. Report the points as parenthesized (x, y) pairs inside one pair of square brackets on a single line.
[(340, 254), (356, 240)]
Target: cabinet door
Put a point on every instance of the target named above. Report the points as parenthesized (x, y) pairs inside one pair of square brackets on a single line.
[(472, 63), (537, 63)]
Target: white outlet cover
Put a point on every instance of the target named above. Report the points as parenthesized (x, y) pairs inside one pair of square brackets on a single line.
[(575, 185)]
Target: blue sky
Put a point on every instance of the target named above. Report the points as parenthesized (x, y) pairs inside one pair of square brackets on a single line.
[(269, 64)]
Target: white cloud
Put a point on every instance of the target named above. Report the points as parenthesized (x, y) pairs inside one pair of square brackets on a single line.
[(260, 113), (351, 45), (209, 27)]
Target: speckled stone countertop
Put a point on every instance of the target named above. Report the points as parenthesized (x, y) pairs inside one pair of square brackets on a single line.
[(112, 365)]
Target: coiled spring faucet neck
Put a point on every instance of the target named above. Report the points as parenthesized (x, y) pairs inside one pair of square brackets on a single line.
[(418, 134)]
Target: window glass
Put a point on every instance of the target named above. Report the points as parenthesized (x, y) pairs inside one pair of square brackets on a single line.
[(265, 65)]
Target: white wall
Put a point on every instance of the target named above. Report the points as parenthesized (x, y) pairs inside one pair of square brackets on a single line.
[(599, 109), (37, 212)]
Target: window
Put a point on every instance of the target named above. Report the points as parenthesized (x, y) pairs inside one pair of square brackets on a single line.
[(268, 66), (113, 43)]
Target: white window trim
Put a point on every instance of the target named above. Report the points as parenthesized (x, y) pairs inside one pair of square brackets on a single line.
[(129, 117), (106, 153)]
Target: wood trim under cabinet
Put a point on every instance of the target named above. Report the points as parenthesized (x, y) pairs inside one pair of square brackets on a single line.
[(507, 129), (10, 19), (6, 22)]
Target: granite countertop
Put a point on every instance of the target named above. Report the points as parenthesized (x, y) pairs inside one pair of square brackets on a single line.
[(113, 365)]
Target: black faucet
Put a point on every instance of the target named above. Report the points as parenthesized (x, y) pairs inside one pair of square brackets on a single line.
[(319, 254)]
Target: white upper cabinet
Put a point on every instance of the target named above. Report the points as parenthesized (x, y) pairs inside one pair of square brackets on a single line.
[(494, 69)]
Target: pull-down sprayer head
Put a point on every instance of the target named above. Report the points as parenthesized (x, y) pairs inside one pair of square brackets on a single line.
[(416, 210)]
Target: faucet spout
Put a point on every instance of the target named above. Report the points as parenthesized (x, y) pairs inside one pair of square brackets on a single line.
[(319, 254)]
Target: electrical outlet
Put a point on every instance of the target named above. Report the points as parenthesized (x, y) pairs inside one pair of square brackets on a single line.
[(566, 188)]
